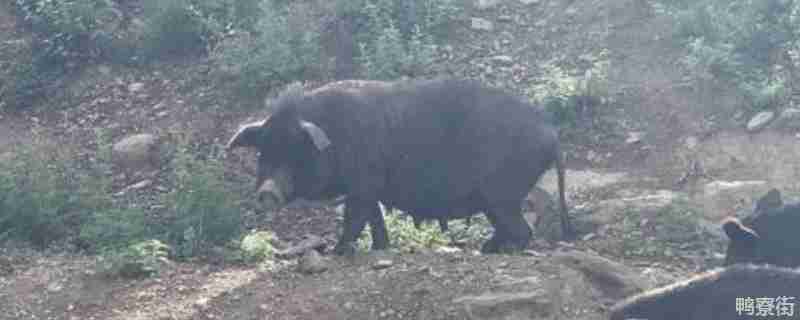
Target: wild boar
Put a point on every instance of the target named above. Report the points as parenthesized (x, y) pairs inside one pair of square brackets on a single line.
[(433, 148), (741, 291), (768, 236)]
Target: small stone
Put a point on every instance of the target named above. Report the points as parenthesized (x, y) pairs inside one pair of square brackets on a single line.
[(482, 24), (571, 11), (162, 114), (135, 87), (565, 244), (505, 18), (54, 287), (382, 264), (533, 253), (691, 142), (311, 262), (140, 185), (634, 137), (486, 4), (588, 237), (447, 250), (201, 303), (502, 60), (591, 156), (760, 120), (104, 70)]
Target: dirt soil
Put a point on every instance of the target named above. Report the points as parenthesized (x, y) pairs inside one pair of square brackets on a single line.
[(423, 285)]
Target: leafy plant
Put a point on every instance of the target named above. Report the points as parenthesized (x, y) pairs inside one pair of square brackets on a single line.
[(140, 259), (202, 209), (672, 229), (276, 53), (37, 198), (387, 51), (568, 97), (257, 247), (740, 42), (404, 236)]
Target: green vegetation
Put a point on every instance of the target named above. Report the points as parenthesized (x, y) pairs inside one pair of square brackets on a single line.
[(257, 247), (285, 48), (36, 199), (670, 230), (400, 39), (750, 44), (404, 236), (48, 195), (253, 45), (139, 259), (571, 98), (201, 210)]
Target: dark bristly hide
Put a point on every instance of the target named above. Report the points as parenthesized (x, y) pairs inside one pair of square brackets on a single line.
[(715, 295), (436, 149), (768, 236)]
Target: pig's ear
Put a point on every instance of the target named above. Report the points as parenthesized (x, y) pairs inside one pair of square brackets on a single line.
[(771, 200), (738, 232), (249, 135), (316, 133)]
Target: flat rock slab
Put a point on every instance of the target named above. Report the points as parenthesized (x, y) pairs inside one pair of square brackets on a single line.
[(310, 242), (614, 279), (508, 305)]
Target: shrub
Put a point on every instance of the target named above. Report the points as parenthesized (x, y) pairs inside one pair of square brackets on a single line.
[(140, 259), (37, 198), (201, 209), (568, 97), (739, 42), (395, 43), (174, 27), (64, 32), (106, 225), (20, 78), (277, 53), (257, 246), (113, 228), (672, 229), (404, 236), (473, 234), (69, 29)]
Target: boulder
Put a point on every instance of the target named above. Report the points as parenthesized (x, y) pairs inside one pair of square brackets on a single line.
[(136, 153), (760, 120), (615, 280)]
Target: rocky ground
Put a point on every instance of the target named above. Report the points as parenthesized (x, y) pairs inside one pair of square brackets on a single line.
[(653, 149)]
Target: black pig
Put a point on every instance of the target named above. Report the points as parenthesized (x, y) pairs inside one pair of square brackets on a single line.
[(768, 236), (735, 292), (433, 148)]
